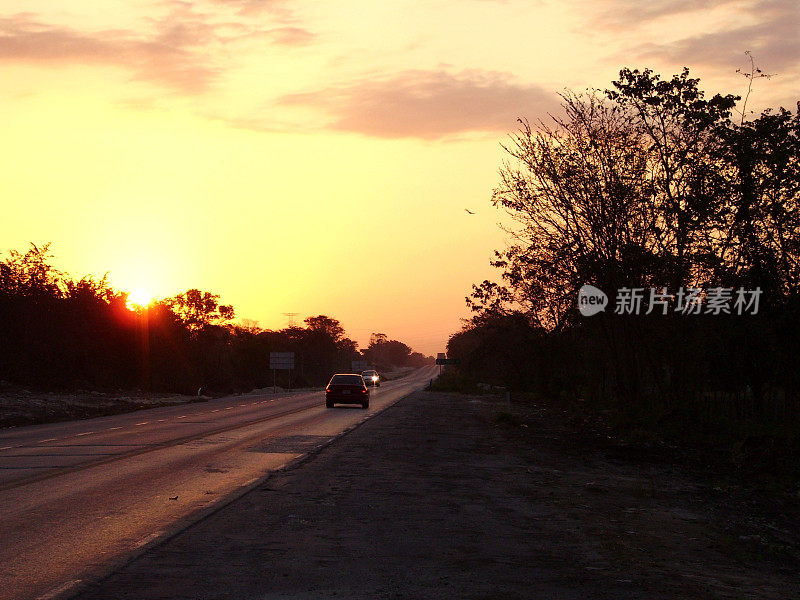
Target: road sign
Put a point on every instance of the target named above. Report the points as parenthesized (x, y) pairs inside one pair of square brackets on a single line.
[(448, 361), (281, 360)]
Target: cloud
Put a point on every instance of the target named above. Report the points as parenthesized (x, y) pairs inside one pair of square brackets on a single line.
[(186, 51), (290, 36), (771, 35), (25, 39), (630, 13), (169, 57), (427, 104), (768, 28), (276, 8)]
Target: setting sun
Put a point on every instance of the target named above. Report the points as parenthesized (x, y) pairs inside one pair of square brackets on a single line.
[(139, 298)]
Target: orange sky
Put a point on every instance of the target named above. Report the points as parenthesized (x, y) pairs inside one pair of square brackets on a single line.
[(317, 157)]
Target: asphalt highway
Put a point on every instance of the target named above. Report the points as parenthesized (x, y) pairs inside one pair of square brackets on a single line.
[(77, 498)]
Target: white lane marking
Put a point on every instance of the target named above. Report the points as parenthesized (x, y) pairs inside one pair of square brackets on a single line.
[(142, 423), (85, 433), (113, 428), (147, 539), (249, 481), (59, 590), (43, 441), (7, 447), (215, 410), (229, 408), (161, 420), (243, 405), (182, 417)]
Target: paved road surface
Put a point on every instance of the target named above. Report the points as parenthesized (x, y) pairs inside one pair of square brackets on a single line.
[(77, 497)]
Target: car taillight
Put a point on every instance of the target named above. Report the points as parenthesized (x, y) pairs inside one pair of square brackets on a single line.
[(364, 391), (327, 390)]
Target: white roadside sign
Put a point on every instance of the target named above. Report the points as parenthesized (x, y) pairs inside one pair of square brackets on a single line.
[(281, 360)]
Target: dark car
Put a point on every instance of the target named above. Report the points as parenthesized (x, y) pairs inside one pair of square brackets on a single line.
[(347, 388), (371, 377)]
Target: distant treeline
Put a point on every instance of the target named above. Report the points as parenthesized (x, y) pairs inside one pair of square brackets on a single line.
[(57, 332), (650, 186)]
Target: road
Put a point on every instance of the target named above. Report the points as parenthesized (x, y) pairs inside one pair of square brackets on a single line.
[(77, 498)]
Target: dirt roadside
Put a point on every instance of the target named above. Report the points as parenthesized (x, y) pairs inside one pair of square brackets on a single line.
[(437, 498), (20, 407)]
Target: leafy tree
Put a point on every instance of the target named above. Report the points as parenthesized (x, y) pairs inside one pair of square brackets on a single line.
[(585, 208), (388, 353), (199, 309), (762, 226), (30, 274), (680, 129), (377, 338), (326, 325), (648, 185)]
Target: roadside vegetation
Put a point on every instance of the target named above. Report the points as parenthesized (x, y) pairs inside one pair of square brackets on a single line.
[(59, 333), (651, 185)]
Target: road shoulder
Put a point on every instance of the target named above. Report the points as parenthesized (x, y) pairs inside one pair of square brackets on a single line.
[(437, 497)]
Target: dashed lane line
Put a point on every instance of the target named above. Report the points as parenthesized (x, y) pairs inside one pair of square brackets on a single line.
[(148, 447)]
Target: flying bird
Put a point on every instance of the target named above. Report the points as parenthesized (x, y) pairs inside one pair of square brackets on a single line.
[(469, 211)]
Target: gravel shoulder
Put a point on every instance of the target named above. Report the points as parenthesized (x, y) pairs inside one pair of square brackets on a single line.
[(438, 497)]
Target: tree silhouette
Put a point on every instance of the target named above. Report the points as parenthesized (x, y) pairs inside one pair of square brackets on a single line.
[(649, 185), (198, 309)]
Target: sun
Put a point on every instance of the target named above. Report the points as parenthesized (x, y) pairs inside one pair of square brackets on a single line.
[(139, 298)]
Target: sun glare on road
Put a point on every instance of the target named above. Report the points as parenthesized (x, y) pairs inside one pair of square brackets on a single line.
[(139, 298)]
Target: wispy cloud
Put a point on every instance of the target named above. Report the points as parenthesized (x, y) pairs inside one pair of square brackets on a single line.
[(619, 14), (186, 50), (290, 36), (768, 28), (427, 104), (772, 34), (169, 57), (277, 8)]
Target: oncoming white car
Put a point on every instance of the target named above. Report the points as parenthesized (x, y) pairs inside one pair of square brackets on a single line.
[(371, 378)]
